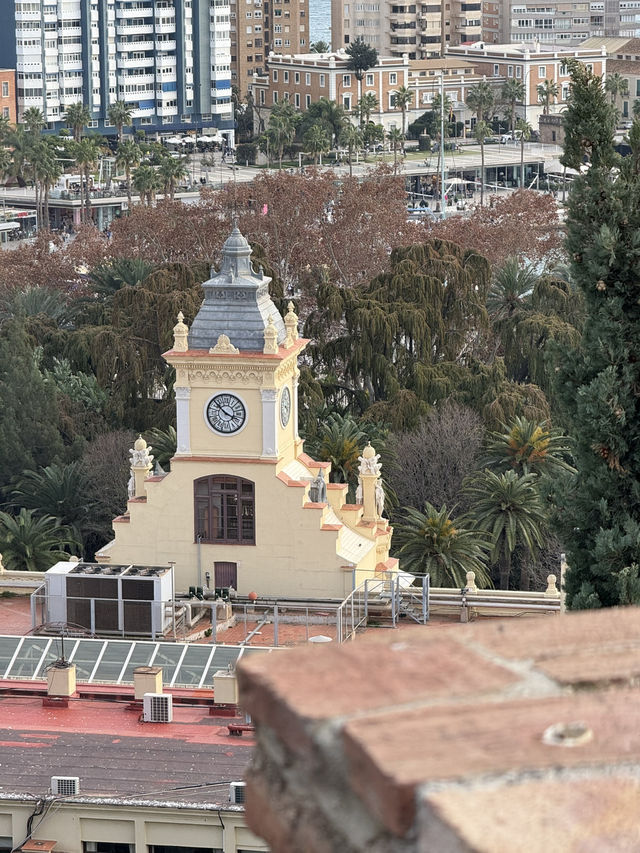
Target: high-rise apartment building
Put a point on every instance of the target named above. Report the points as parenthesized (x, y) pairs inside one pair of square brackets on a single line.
[(261, 26), (567, 23), (396, 27), (168, 59)]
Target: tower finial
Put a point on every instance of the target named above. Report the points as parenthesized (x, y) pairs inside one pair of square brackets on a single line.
[(180, 335)]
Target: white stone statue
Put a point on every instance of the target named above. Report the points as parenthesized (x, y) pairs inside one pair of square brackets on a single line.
[(131, 486), (359, 492), (379, 498), (369, 461), (141, 454)]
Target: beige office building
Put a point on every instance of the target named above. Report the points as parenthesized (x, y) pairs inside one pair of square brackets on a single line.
[(261, 26), (396, 28)]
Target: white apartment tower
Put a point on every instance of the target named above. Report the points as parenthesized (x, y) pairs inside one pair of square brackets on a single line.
[(169, 59)]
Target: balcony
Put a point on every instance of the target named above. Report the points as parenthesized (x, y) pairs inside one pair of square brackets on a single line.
[(165, 45), (128, 46), (131, 29), (167, 111), (145, 12), (166, 28), (135, 79), (129, 97), (138, 62), (27, 16), (148, 111)]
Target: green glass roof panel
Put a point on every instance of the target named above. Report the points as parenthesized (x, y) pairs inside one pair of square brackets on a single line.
[(112, 661), (85, 656), (8, 646), (191, 669), (142, 654), (28, 660)]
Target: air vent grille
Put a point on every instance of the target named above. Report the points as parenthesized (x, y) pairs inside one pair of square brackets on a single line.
[(65, 786), (236, 792)]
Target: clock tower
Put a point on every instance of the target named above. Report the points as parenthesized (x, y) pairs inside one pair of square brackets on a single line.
[(236, 368), (243, 504)]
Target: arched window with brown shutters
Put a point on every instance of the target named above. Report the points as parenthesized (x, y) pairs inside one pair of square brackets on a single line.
[(224, 510)]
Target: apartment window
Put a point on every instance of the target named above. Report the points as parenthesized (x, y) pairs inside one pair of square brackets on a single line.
[(277, 28), (393, 79), (496, 70), (296, 77), (275, 76), (287, 43), (346, 102), (307, 79), (518, 72), (286, 76), (509, 70), (5, 90), (369, 80), (297, 100), (542, 72), (307, 101), (5, 112), (275, 97), (637, 88), (563, 71), (322, 81), (277, 42)]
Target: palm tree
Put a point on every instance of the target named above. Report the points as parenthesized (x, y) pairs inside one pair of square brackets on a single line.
[(528, 447), (403, 98), (58, 492), (328, 114), (120, 114), (170, 173), (513, 92), (367, 104), (47, 170), (432, 543), (280, 133), (33, 543), (525, 135), (77, 118), (20, 142), (635, 109), (340, 440), (547, 94), (33, 301), (109, 277), (164, 443), (145, 180), (616, 85), (86, 153), (5, 163), (510, 509), (319, 47), (481, 100), (482, 129), (34, 120), (396, 138), (128, 156), (351, 138), (316, 141)]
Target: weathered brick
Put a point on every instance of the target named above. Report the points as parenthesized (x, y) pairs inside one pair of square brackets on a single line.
[(390, 755), (598, 815)]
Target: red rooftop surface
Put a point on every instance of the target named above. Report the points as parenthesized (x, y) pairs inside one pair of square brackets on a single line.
[(520, 735), (115, 755)]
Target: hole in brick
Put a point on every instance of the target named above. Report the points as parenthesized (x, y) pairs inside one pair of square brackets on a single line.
[(567, 734)]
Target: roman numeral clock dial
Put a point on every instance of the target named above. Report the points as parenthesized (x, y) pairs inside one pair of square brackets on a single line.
[(226, 414)]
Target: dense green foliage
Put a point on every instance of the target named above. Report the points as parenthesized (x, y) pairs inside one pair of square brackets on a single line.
[(598, 381)]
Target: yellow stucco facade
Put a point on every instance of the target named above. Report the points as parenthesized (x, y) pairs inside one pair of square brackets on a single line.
[(237, 417)]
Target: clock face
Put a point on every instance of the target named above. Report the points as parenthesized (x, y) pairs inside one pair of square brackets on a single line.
[(285, 407), (226, 414)]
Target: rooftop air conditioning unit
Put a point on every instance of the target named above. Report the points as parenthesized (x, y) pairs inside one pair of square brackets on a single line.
[(157, 708), (65, 786), (236, 792)]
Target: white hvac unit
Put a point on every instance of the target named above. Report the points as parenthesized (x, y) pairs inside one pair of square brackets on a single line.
[(65, 786), (236, 792), (157, 708)]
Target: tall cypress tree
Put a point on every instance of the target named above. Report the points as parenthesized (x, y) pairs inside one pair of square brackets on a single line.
[(599, 381)]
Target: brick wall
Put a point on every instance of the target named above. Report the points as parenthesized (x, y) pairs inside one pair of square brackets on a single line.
[(8, 100), (505, 737)]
